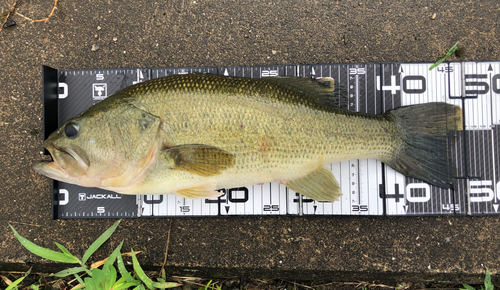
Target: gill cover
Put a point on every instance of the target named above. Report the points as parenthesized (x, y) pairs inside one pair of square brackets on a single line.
[(135, 133)]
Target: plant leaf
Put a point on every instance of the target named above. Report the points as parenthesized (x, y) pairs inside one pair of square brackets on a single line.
[(140, 273), (121, 266), (79, 286), (89, 283), (111, 259), (487, 281), (34, 287), (98, 279), (163, 285), (124, 279), (468, 287), (43, 252), (110, 274), (125, 273), (15, 283), (448, 54), (70, 271), (65, 251), (6, 280), (124, 286), (97, 243), (79, 279)]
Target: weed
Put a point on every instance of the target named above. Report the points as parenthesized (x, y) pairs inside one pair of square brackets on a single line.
[(211, 286), (105, 278), (448, 54), (487, 283)]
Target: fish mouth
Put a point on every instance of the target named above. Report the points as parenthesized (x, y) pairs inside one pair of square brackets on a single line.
[(65, 164)]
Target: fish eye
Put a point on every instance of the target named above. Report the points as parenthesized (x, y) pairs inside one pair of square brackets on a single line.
[(71, 130)]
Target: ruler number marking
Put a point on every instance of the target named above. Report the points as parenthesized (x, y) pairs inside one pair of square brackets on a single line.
[(231, 196), (362, 207), (184, 208), (477, 91), (481, 191), (271, 207)]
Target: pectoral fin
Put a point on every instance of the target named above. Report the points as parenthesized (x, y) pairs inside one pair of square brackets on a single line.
[(319, 185), (203, 160)]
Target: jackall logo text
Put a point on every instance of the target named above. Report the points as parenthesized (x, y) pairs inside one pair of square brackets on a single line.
[(82, 196)]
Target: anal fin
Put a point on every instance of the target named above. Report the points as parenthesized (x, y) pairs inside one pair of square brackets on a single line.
[(319, 185)]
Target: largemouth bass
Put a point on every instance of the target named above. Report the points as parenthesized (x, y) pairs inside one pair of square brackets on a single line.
[(190, 135)]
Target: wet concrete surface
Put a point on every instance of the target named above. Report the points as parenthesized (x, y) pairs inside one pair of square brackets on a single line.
[(217, 33)]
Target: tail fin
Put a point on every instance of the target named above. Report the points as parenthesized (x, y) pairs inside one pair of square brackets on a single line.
[(426, 132)]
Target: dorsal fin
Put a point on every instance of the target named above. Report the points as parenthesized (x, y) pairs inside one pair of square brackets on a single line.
[(322, 91)]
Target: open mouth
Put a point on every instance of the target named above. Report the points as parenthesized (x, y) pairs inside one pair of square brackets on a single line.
[(64, 164)]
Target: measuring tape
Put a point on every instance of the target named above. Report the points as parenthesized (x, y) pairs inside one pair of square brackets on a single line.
[(369, 187)]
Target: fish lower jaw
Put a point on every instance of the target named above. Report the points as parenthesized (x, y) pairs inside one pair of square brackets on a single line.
[(51, 169)]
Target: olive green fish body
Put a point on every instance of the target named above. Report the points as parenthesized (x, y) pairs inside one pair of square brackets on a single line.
[(193, 134), (274, 132)]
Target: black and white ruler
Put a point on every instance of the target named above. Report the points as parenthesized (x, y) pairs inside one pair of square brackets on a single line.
[(369, 187)]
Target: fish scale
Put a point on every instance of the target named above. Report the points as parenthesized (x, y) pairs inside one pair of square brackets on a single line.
[(241, 119), (191, 135)]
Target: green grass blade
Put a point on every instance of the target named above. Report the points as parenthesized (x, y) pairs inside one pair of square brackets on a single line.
[(43, 252), (79, 279), (77, 287), (140, 287), (112, 258), (448, 54), (123, 282), (65, 251), (15, 283), (487, 281), (121, 266), (124, 286), (34, 287), (70, 271), (467, 287), (164, 285), (97, 243), (123, 279), (140, 273)]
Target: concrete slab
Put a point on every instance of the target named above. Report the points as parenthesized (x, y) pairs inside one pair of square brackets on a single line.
[(212, 33)]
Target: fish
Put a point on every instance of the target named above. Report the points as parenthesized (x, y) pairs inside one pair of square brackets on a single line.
[(191, 135)]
